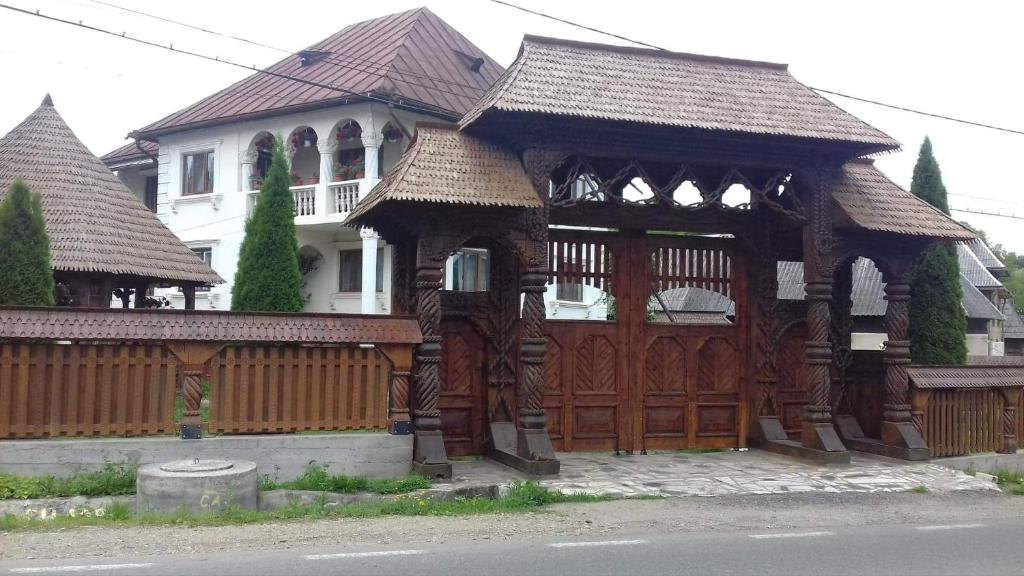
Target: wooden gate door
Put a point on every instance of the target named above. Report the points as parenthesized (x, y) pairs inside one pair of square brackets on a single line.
[(664, 365), (463, 413)]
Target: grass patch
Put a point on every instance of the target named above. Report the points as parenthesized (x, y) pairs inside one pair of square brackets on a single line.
[(521, 497), (690, 451), (317, 478), (1010, 482), (112, 480), (919, 490)]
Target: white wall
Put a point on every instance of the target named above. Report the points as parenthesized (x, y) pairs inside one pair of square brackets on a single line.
[(218, 219)]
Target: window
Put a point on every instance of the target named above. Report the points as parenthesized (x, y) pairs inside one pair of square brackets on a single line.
[(150, 198), (470, 270), (205, 254), (197, 173), (350, 276)]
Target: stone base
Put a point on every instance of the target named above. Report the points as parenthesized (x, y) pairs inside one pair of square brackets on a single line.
[(774, 439), (821, 436), (903, 440), (437, 471), (513, 447)]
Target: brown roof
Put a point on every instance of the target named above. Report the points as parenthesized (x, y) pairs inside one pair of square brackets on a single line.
[(979, 376), (130, 155), (443, 165), (616, 83), (411, 57), (874, 202), (95, 223), (194, 325)]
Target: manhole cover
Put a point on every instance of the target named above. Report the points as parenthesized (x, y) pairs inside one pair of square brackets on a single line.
[(196, 466)]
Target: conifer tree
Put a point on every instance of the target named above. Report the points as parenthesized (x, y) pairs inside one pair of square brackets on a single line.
[(26, 275), (938, 324), (268, 277)]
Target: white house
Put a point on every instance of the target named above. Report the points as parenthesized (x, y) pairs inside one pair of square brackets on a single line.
[(346, 108)]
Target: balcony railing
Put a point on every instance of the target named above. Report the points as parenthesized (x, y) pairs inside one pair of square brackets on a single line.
[(305, 200), (343, 196)]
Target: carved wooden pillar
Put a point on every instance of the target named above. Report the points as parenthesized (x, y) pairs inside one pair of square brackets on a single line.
[(400, 356), (190, 296), (193, 358), (842, 341), (429, 455), (534, 443), (1011, 397), (818, 432), (140, 295), (898, 429)]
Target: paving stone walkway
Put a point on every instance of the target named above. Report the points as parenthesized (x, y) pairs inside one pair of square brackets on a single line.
[(724, 473)]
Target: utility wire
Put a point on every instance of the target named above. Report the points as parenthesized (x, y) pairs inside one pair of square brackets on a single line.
[(987, 213), (333, 60), (821, 90), (123, 35)]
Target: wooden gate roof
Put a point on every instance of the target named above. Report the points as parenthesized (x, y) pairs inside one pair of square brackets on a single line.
[(443, 165), (95, 224), (874, 202), (604, 82), (983, 376)]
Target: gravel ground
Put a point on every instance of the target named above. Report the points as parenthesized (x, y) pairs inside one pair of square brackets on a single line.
[(617, 517)]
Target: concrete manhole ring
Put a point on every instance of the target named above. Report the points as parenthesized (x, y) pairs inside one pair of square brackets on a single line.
[(196, 466)]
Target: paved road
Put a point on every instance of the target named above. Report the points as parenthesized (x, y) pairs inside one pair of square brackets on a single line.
[(973, 548)]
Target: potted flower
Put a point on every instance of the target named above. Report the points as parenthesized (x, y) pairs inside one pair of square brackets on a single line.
[(349, 131), (392, 133)]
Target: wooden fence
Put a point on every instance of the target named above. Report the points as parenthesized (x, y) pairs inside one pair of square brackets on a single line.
[(964, 422), (51, 389), (66, 372), (292, 388), (968, 409)]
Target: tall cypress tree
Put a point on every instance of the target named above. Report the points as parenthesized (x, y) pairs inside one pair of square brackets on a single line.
[(268, 277), (26, 275), (938, 324)]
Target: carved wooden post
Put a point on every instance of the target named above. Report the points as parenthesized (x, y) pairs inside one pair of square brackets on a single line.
[(429, 455), (400, 356), (919, 408), (818, 433), (898, 430), (193, 358), (1011, 396), (534, 443), (190, 296)]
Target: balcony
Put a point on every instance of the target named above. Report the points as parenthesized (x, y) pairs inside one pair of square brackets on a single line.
[(321, 203)]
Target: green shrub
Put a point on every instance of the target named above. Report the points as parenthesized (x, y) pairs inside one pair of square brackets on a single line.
[(317, 478), (110, 481)]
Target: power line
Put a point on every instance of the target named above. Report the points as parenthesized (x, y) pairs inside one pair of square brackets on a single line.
[(171, 48), (987, 213), (332, 60), (986, 198), (821, 90)]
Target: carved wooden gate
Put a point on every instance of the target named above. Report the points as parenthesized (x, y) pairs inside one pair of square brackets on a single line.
[(665, 365), (463, 416)]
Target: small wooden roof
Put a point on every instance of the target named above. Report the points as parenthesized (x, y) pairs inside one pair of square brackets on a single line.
[(603, 82), (873, 202), (981, 376), (445, 166), (96, 225)]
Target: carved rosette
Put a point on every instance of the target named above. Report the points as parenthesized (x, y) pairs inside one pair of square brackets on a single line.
[(819, 351), (896, 407), (532, 348), (428, 354)]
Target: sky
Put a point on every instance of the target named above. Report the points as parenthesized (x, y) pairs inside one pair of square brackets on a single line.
[(959, 59)]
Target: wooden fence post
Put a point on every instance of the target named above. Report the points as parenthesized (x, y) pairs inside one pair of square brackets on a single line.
[(193, 357), (1011, 396), (400, 356)]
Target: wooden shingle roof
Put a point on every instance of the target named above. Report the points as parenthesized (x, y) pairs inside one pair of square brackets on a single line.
[(873, 202), (981, 376), (94, 222), (615, 83), (411, 57), (443, 165)]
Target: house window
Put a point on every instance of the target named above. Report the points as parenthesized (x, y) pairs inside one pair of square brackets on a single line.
[(150, 198), (205, 254), (197, 173), (470, 270), (350, 277)]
